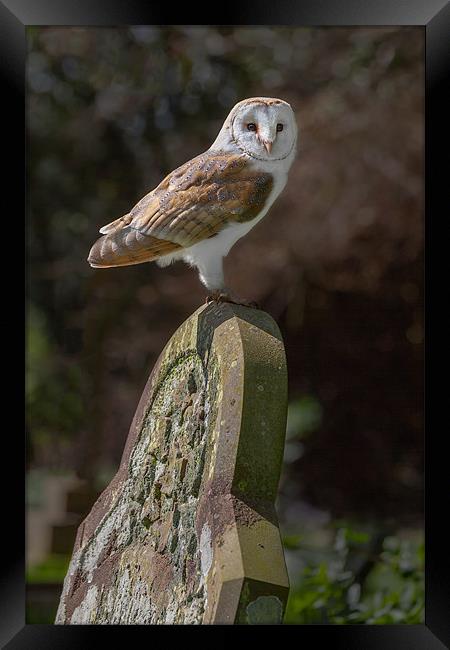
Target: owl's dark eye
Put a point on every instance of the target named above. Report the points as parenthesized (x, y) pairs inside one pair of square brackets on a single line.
[(280, 127), (251, 126)]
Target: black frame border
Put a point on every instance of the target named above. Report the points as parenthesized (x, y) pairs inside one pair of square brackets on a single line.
[(434, 16)]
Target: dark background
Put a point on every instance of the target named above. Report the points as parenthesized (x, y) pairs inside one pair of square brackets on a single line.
[(338, 262)]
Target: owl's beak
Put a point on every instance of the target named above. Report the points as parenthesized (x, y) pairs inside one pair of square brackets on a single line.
[(268, 145)]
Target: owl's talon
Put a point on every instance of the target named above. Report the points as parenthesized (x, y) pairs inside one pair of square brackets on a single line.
[(227, 297), (217, 296)]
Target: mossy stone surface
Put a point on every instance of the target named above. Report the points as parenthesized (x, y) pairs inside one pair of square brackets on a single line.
[(186, 532)]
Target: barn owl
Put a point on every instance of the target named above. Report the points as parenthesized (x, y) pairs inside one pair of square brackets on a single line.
[(201, 209)]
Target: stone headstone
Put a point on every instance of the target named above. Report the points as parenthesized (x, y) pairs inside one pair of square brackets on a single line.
[(186, 532)]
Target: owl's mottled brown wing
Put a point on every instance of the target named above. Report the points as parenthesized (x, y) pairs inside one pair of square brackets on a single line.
[(192, 203)]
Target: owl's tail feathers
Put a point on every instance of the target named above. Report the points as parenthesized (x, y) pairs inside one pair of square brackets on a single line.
[(126, 247)]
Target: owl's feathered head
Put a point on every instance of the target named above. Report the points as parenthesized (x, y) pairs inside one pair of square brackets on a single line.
[(263, 127)]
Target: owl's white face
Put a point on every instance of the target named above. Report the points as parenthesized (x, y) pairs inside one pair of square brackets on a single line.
[(265, 129)]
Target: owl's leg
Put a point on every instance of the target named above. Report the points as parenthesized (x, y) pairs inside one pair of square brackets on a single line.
[(211, 275), (210, 269)]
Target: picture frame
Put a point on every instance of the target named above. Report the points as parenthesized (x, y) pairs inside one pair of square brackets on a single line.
[(434, 17)]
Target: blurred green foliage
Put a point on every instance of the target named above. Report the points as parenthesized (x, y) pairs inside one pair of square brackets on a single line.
[(387, 588), (53, 388), (44, 584), (42, 610), (304, 416), (52, 570)]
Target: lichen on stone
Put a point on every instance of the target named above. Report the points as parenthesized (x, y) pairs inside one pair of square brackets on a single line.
[(153, 517)]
